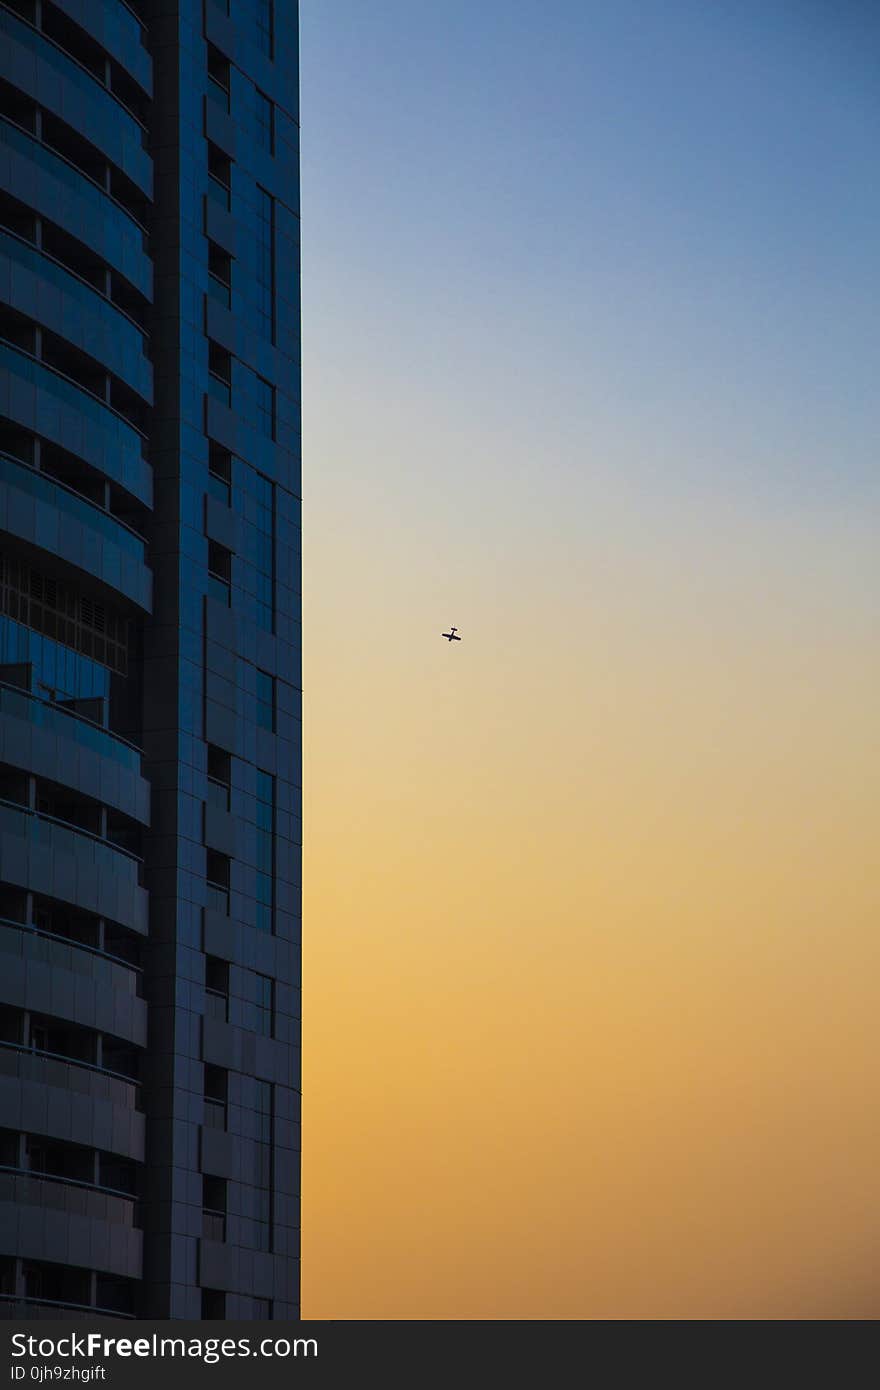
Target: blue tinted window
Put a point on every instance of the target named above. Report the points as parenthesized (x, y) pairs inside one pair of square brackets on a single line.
[(258, 1003), (265, 707), (265, 271), (265, 22), (254, 503), (257, 400), (265, 123), (265, 881)]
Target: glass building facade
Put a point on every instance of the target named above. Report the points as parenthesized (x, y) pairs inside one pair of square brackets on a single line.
[(150, 690)]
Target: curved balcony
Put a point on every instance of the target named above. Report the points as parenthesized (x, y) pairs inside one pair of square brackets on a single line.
[(31, 63), (117, 29), (46, 403), (56, 1193), (69, 1100), (46, 182), (68, 982), (71, 865), (44, 512), (42, 737), (54, 297), (14, 1309), (44, 1220)]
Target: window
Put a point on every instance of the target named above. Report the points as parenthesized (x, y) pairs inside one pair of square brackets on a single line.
[(116, 1295), (219, 572), (265, 882), (265, 262), (265, 123), (121, 1174), (58, 610), (216, 988), (217, 873), (219, 373), (218, 77), (258, 1011), (219, 176), (255, 400), (254, 502), (219, 362), (213, 1305), (56, 1283), (265, 706), (219, 472), (219, 777), (219, 274), (215, 1095), (263, 1120), (265, 19), (265, 407), (213, 1207), (218, 868)]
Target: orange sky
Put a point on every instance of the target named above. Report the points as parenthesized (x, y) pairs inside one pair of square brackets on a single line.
[(591, 965)]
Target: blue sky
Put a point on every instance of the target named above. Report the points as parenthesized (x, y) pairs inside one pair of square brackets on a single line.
[(656, 222)]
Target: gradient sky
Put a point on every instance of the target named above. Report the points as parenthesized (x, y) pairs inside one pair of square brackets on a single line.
[(592, 988)]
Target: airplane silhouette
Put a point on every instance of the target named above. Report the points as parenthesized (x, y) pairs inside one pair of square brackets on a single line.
[(450, 636)]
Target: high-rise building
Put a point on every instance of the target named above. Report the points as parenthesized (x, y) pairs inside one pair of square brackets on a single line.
[(149, 658)]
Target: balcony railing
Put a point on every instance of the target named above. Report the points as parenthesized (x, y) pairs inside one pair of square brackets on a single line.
[(68, 1075), (128, 1213), (72, 176), (47, 488), (40, 1052), (15, 1306), (69, 724), (15, 938)]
